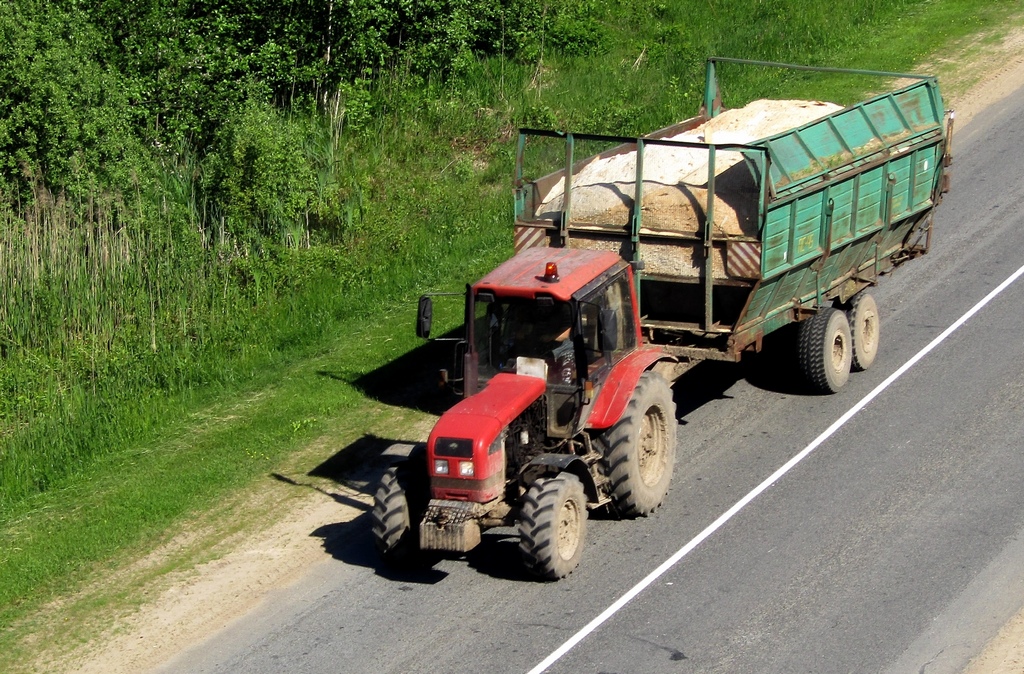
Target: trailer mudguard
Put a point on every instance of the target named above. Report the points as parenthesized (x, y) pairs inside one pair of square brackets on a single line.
[(618, 388)]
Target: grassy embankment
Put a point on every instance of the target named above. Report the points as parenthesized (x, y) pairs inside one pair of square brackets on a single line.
[(95, 484)]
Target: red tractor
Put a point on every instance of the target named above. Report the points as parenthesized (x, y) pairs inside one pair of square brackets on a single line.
[(564, 410)]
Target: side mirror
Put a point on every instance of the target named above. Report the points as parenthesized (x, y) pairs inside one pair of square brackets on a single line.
[(609, 330), (424, 317)]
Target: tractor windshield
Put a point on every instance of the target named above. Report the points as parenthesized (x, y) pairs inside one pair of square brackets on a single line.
[(508, 330)]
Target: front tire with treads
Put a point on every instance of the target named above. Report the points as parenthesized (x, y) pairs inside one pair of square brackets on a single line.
[(553, 526), (398, 507)]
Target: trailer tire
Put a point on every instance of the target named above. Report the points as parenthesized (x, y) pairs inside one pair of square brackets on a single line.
[(640, 448), (398, 507), (826, 351), (553, 526), (864, 328)]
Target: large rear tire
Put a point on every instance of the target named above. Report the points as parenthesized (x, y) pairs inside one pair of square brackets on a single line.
[(553, 526), (398, 507), (826, 350), (864, 328), (640, 448)]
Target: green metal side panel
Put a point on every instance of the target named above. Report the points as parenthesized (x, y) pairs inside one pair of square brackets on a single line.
[(775, 240), (924, 172), (807, 243), (804, 154), (794, 231), (899, 169), (869, 203), (920, 106), (842, 213), (799, 284), (771, 303)]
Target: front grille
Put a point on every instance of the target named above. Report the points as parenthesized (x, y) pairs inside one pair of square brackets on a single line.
[(459, 448)]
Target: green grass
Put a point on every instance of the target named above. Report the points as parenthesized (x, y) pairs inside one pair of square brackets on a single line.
[(109, 444)]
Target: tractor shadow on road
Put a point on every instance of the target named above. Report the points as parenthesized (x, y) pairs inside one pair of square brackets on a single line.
[(774, 369), (358, 467), (352, 543), (498, 556), (360, 464)]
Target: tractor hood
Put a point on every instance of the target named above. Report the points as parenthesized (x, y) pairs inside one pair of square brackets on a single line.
[(482, 417), (469, 433)]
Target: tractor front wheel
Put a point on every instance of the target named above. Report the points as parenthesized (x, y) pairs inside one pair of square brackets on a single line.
[(553, 525), (398, 507)]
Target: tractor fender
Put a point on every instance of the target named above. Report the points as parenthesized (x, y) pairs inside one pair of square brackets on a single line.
[(560, 463), (401, 452), (614, 395)]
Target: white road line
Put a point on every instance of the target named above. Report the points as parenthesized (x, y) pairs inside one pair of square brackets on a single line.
[(743, 502)]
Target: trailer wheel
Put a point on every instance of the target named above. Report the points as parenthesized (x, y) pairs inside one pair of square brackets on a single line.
[(398, 506), (826, 351), (640, 448), (864, 328), (552, 526)]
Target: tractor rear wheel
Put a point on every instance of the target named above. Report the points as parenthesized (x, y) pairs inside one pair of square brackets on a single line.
[(864, 328), (826, 350), (398, 507), (553, 525), (640, 448)]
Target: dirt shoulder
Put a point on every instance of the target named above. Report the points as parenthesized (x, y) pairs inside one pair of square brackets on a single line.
[(220, 571), (225, 562)]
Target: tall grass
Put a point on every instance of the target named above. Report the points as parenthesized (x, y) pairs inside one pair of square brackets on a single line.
[(113, 303), (97, 312)]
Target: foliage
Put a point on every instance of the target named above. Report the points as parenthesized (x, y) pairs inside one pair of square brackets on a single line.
[(62, 112), (260, 176)]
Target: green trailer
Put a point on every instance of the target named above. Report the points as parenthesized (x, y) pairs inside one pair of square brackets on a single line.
[(753, 234)]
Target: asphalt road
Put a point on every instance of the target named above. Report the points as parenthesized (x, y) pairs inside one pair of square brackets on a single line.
[(896, 546)]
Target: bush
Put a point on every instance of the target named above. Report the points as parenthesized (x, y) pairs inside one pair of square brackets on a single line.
[(260, 175), (64, 114)]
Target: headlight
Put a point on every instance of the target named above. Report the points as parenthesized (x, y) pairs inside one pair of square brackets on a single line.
[(440, 467), (466, 468)]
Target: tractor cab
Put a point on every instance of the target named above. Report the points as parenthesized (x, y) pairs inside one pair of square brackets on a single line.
[(543, 331), (563, 316)]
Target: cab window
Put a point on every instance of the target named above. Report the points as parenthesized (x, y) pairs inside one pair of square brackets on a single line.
[(612, 303)]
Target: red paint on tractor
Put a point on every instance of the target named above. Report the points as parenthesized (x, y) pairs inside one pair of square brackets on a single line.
[(618, 388), (480, 419), (523, 275)]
